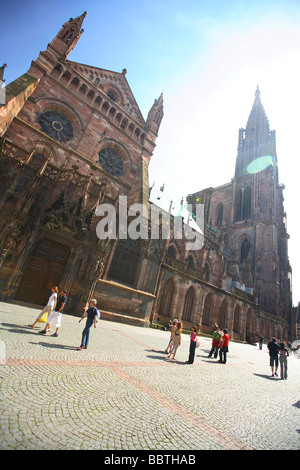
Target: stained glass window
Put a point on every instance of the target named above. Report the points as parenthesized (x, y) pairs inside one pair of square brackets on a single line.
[(111, 161), (56, 125)]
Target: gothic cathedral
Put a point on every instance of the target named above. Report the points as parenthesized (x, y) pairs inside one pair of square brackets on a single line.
[(73, 139)]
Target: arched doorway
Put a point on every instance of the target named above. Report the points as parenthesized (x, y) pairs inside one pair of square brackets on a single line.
[(44, 270)]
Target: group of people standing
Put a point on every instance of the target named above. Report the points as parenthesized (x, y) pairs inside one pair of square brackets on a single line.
[(54, 310), (220, 342)]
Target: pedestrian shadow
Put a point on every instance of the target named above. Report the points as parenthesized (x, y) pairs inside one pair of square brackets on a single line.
[(269, 377), (158, 357), (22, 329), (156, 351), (54, 346), (162, 356)]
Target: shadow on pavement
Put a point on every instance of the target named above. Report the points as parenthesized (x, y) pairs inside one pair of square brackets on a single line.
[(269, 377), (54, 345)]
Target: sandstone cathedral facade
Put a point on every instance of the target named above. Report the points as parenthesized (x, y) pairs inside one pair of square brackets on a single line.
[(73, 138)]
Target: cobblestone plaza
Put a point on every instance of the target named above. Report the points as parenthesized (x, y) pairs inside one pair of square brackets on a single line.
[(123, 393)]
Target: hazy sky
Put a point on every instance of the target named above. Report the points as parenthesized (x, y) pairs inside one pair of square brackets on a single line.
[(207, 57)]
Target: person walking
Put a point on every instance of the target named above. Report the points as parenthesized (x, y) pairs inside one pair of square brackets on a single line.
[(283, 355), (193, 343), (216, 343), (176, 341), (260, 341), (224, 347), (92, 314), (56, 314), (173, 329), (273, 348), (49, 307)]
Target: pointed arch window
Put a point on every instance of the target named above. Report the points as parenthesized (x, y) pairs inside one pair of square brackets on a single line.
[(223, 314), (188, 304), (167, 297), (68, 35), (220, 215), (190, 262), (207, 310), (243, 204), (247, 204), (206, 273), (238, 205), (236, 319), (171, 252), (245, 250)]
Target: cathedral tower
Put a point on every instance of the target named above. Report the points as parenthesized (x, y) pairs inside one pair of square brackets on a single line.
[(258, 227), (248, 216)]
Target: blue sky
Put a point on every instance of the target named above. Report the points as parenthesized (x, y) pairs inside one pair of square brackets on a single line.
[(207, 57)]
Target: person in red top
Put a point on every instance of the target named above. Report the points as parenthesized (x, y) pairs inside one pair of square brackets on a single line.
[(224, 347)]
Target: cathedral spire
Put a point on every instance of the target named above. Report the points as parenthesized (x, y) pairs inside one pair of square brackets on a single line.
[(258, 117), (256, 140)]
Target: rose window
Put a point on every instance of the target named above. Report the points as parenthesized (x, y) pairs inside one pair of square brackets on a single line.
[(111, 161), (56, 125)]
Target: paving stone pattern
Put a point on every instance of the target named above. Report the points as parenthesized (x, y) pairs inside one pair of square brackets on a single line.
[(122, 393)]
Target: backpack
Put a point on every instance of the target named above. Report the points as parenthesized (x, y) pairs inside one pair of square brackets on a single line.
[(98, 314)]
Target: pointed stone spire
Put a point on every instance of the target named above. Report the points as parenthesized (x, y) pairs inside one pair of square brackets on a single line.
[(66, 39), (59, 48), (258, 115), (155, 115), (256, 140), (77, 21)]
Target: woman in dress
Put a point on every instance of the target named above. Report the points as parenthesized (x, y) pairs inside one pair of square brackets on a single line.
[(173, 329), (176, 341)]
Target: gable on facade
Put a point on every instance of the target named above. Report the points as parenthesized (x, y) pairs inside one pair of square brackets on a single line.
[(112, 84)]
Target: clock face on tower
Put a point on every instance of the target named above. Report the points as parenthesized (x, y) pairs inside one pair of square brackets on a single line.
[(111, 161), (56, 125)]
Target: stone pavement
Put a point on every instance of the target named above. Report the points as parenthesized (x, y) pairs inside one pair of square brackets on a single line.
[(122, 393)]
